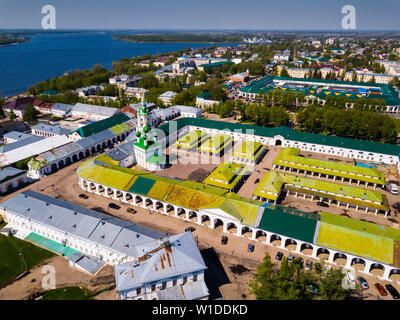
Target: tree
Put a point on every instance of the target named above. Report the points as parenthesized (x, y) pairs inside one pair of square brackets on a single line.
[(148, 81), (98, 68), (12, 115), (331, 288), (354, 77), (279, 116), (292, 282), (284, 73), (30, 113), (23, 164)]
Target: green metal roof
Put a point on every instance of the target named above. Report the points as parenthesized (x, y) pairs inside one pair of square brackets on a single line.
[(288, 224), (101, 125), (287, 133), (215, 64), (389, 94), (204, 95), (142, 185), (50, 92)]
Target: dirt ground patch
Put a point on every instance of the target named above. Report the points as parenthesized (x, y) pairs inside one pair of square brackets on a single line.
[(65, 276)]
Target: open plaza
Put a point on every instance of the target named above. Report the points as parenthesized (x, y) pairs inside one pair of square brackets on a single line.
[(237, 179)]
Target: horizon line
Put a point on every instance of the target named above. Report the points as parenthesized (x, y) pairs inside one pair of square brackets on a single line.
[(200, 29)]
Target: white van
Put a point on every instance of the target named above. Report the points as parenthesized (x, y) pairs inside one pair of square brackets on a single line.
[(351, 280), (393, 189)]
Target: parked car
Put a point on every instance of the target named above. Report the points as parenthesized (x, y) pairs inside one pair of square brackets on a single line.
[(250, 247), (393, 189), (323, 204), (130, 210), (351, 279), (84, 196), (279, 256), (380, 289), (224, 240), (290, 258), (309, 265), (114, 206), (363, 282), (392, 290), (190, 229)]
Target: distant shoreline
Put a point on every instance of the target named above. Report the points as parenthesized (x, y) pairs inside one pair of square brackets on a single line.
[(16, 42), (171, 38), (213, 42), (175, 41)]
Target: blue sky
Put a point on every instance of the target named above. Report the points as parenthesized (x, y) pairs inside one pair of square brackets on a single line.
[(201, 14)]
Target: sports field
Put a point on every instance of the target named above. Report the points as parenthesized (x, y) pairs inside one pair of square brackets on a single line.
[(12, 264)]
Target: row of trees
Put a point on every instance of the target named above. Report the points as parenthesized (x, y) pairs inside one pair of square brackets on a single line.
[(73, 80), (261, 115), (286, 98), (292, 282), (264, 116), (255, 68), (361, 124)]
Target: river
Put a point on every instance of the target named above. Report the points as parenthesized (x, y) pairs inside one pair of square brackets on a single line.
[(50, 55)]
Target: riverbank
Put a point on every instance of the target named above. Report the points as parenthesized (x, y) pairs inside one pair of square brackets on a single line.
[(12, 42)]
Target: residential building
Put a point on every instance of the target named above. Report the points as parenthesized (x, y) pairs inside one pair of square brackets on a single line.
[(161, 61), (167, 97), (371, 77), (204, 100), (139, 93), (188, 112), (297, 72), (18, 106), (173, 271), (11, 125), (88, 91), (240, 77), (282, 57), (93, 112), (46, 130), (44, 107), (61, 109), (161, 115), (15, 136), (11, 179)]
